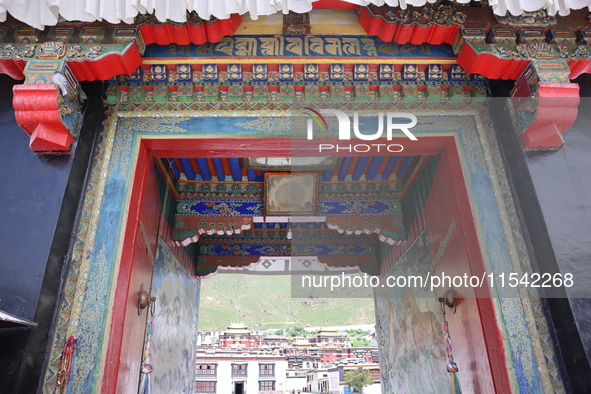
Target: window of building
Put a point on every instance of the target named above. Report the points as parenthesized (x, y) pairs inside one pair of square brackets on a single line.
[(267, 369), (374, 374), (267, 385), (204, 387), (238, 369), (206, 369)]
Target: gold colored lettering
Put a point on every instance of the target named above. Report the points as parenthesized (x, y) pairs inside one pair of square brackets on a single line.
[(226, 45), (272, 46), (314, 44), (205, 49), (389, 48), (351, 46), (185, 49), (333, 46), (294, 45), (408, 48), (246, 46), (426, 49), (369, 46)]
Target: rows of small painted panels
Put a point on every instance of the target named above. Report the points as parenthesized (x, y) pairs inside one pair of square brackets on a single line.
[(288, 94), (334, 82), (310, 72)]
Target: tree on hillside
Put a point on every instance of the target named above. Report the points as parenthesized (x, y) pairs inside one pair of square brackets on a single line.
[(296, 331), (360, 342), (358, 337), (358, 379), (357, 332)]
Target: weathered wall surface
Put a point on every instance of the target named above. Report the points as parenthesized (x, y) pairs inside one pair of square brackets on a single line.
[(408, 323), (554, 193), (38, 203)]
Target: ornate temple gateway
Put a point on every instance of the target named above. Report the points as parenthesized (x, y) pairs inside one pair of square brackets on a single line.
[(147, 147)]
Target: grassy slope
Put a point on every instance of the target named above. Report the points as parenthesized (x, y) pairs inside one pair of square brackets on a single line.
[(263, 302)]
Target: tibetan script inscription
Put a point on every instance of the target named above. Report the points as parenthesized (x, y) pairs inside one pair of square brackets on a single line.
[(300, 46)]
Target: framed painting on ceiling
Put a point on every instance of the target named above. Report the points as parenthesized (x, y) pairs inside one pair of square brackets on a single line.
[(291, 194)]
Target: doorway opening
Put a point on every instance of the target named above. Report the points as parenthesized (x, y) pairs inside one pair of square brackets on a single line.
[(432, 175), (445, 228)]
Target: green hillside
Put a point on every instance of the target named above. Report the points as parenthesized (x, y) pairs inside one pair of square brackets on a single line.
[(263, 302)]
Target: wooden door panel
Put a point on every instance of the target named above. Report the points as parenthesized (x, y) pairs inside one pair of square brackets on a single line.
[(135, 324), (137, 261)]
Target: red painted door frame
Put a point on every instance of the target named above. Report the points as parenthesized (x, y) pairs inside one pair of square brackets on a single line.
[(116, 375), (127, 330), (488, 321)]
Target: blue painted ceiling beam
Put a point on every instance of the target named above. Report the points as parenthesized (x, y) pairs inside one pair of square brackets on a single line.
[(219, 169), (188, 169), (359, 167), (373, 168), (389, 167), (175, 169), (236, 170), (204, 169), (403, 167), (252, 175), (345, 168)]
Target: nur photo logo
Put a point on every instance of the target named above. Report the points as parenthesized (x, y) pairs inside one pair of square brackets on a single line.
[(390, 121)]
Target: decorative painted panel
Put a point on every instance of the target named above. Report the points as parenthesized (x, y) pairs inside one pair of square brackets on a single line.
[(171, 337), (409, 330), (275, 243)]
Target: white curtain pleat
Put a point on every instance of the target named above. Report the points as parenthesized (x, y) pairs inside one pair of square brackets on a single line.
[(299, 6), (36, 13), (41, 13), (173, 10), (216, 8)]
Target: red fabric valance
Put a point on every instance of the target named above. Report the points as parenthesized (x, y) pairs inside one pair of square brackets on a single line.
[(13, 68), (436, 26), (489, 65), (579, 67), (195, 31), (108, 65)]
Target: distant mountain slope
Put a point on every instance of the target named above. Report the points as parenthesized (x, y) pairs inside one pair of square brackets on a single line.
[(263, 302)]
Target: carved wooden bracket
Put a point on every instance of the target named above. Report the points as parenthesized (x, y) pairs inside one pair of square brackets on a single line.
[(40, 111), (545, 104), (557, 108), (389, 228), (48, 105), (209, 225)]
